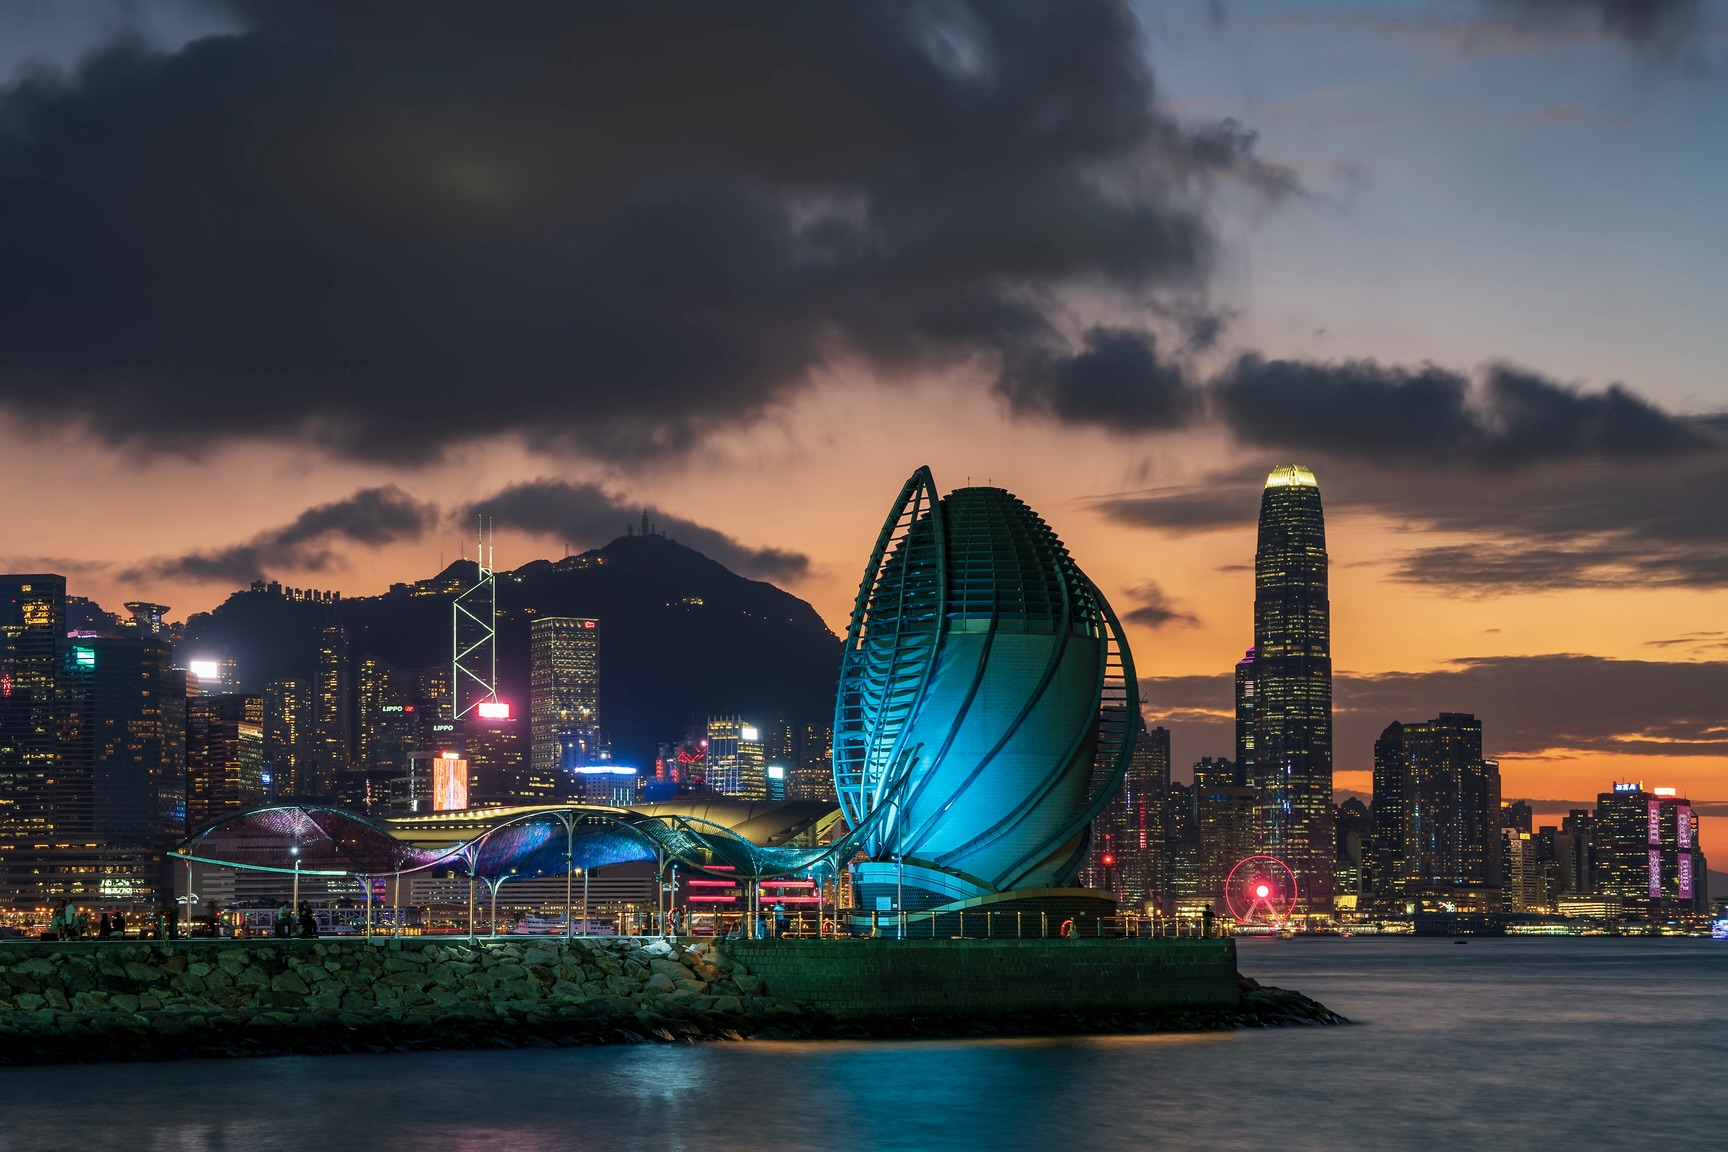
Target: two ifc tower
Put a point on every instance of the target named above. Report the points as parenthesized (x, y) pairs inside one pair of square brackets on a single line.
[(988, 707)]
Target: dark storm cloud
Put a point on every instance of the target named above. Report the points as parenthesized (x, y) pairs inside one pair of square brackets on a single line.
[(586, 515), (1527, 704), (1153, 607), (1116, 381), (1550, 485), (1418, 416), (371, 517), (392, 227), (1642, 22), (1223, 502)]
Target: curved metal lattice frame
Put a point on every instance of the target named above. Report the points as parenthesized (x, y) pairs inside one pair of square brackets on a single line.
[(895, 640), (544, 842), (891, 648)]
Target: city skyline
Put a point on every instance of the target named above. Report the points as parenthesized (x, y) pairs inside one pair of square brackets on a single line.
[(1535, 544)]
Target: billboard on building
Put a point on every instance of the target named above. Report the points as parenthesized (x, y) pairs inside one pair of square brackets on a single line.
[(449, 783)]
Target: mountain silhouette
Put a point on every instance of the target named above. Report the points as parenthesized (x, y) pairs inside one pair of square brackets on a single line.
[(681, 637)]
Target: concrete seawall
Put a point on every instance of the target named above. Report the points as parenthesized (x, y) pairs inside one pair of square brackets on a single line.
[(861, 979)]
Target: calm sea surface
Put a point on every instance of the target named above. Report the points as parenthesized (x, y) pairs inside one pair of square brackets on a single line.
[(1573, 1043)]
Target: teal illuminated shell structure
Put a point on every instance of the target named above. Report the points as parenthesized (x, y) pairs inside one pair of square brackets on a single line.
[(987, 702)]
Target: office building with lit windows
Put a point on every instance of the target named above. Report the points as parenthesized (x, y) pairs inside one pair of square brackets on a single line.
[(564, 693), (33, 649), (332, 711), (1134, 827), (91, 754), (1436, 813), (224, 756), (1647, 851), (1290, 698), (287, 737), (737, 758)]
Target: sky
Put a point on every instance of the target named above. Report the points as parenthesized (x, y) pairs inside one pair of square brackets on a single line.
[(298, 289)]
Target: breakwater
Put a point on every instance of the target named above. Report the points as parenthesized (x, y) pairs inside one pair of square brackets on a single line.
[(154, 999)]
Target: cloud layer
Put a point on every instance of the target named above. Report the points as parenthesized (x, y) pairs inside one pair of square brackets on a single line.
[(1552, 485), (572, 513), (1642, 22), (585, 514), (393, 227), (311, 542), (1527, 704)]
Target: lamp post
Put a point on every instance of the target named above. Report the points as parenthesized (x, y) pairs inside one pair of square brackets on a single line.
[(569, 866), (294, 903)]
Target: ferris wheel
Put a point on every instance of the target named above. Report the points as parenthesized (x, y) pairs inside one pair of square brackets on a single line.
[(1261, 890)]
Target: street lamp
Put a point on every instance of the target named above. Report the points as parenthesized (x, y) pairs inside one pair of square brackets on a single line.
[(294, 904)]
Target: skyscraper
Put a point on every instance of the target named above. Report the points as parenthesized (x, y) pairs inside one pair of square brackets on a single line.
[(1225, 819), (812, 775), (332, 710), (136, 738), (1291, 676), (91, 746), (32, 649), (1245, 711), (224, 756), (1136, 823), (1437, 813), (564, 694), (287, 732)]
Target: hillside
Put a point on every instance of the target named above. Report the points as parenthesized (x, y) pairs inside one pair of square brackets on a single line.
[(681, 637)]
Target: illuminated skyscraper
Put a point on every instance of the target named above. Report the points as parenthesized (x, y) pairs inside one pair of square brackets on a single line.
[(1224, 819), (1134, 827), (332, 710), (1291, 760), (224, 756), (564, 694), (737, 758), (1437, 813), (287, 731), (812, 772), (498, 772), (32, 649), (1647, 850), (1245, 711)]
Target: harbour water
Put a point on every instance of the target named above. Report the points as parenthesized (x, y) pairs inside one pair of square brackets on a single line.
[(1576, 1043)]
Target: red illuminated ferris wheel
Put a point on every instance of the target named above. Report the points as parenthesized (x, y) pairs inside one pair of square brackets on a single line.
[(1261, 890)]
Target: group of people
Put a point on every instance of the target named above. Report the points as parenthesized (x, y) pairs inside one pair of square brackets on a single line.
[(70, 922), (287, 921)]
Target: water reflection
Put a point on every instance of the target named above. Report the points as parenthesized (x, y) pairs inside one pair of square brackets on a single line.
[(1500, 1044)]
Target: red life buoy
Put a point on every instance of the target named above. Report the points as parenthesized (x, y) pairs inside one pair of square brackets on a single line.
[(1067, 929)]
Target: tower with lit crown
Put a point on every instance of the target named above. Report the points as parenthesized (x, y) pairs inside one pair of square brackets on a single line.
[(1291, 760)]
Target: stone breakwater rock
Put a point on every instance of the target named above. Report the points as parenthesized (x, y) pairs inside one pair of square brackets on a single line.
[(1260, 1007), (152, 1000), (95, 1001)]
